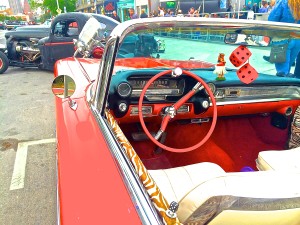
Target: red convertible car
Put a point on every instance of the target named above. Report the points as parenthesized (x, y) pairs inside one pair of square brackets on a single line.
[(204, 133)]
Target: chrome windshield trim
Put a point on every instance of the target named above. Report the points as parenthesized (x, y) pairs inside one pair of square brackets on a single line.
[(169, 22), (104, 75), (140, 198)]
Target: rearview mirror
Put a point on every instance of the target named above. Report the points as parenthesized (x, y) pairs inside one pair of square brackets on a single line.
[(247, 39)]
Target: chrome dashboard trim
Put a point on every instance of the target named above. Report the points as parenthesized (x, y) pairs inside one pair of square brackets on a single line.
[(243, 95), (157, 92), (252, 101), (140, 198)]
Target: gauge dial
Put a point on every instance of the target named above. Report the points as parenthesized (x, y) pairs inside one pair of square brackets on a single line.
[(212, 88), (124, 89)]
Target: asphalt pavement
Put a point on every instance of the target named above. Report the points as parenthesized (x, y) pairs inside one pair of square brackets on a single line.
[(27, 148)]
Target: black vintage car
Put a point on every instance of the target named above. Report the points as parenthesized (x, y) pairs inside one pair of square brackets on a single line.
[(41, 46)]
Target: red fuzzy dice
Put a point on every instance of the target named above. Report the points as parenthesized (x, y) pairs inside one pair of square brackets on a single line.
[(240, 55), (247, 73)]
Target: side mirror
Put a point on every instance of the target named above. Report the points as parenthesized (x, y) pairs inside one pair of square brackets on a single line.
[(63, 86)]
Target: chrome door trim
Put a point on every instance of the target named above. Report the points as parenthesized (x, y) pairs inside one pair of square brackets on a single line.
[(136, 190)]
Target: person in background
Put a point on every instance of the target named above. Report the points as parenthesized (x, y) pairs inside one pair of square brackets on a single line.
[(271, 5), (249, 6), (264, 7), (255, 8), (287, 11), (132, 14), (115, 16), (244, 14), (230, 10), (168, 13), (143, 14), (191, 12), (154, 13), (179, 13), (161, 11), (196, 13)]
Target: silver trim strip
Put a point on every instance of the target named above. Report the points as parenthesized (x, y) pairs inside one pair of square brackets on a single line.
[(104, 74), (140, 198), (151, 23), (220, 103)]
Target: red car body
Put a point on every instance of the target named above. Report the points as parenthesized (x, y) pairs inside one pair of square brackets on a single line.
[(98, 186), (90, 184)]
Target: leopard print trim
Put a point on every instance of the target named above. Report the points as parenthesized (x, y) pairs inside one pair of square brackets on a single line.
[(154, 192), (295, 130)]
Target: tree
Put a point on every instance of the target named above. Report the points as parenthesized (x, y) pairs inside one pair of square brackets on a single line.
[(35, 4), (52, 5)]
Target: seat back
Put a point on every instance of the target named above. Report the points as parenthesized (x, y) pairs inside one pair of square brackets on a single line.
[(244, 198), (279, 160)]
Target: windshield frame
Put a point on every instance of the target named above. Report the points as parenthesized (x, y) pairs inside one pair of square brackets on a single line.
[(117, 36)]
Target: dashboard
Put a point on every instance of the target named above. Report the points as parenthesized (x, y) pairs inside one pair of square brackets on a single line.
[(127, 86)]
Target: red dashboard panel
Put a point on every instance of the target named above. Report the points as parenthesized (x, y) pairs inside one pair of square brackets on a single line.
[(223, 110)]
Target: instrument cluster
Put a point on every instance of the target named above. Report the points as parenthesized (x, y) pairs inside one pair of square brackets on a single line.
[(159, 89)]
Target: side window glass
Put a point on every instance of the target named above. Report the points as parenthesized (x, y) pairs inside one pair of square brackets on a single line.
[(58, 30), (72, 30)]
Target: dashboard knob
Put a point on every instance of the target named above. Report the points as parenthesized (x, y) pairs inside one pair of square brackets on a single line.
[(123, 107), (205, 104)]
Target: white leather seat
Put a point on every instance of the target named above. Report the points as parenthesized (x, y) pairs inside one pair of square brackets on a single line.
[(206, 193), (281, 160), (176, 182)]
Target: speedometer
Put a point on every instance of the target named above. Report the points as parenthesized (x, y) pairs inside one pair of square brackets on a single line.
[(124, 89), (212, 87)]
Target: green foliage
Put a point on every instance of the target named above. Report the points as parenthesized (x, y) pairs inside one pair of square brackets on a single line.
[(34, 4), (12, 18), (3, 17), (52, 5)]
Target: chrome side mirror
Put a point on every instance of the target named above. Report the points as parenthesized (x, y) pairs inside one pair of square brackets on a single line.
[(63, 86)]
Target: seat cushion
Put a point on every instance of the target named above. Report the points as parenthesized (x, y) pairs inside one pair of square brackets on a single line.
[(283, 160), (176, 182)]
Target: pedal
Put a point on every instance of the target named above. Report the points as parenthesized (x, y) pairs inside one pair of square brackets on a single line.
[(141, 136)]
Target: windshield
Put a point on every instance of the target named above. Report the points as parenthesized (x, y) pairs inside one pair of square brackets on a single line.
[(203, 47)]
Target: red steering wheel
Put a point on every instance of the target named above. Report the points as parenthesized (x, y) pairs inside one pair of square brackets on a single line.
[(171, 110)]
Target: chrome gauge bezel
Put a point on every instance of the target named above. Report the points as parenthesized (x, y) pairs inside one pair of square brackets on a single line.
[(212, 87), (126, 88)]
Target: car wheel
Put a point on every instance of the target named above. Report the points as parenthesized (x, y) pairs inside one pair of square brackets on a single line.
[(4, 62)]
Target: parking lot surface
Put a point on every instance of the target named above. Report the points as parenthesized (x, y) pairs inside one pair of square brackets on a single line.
[(27, 148)]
